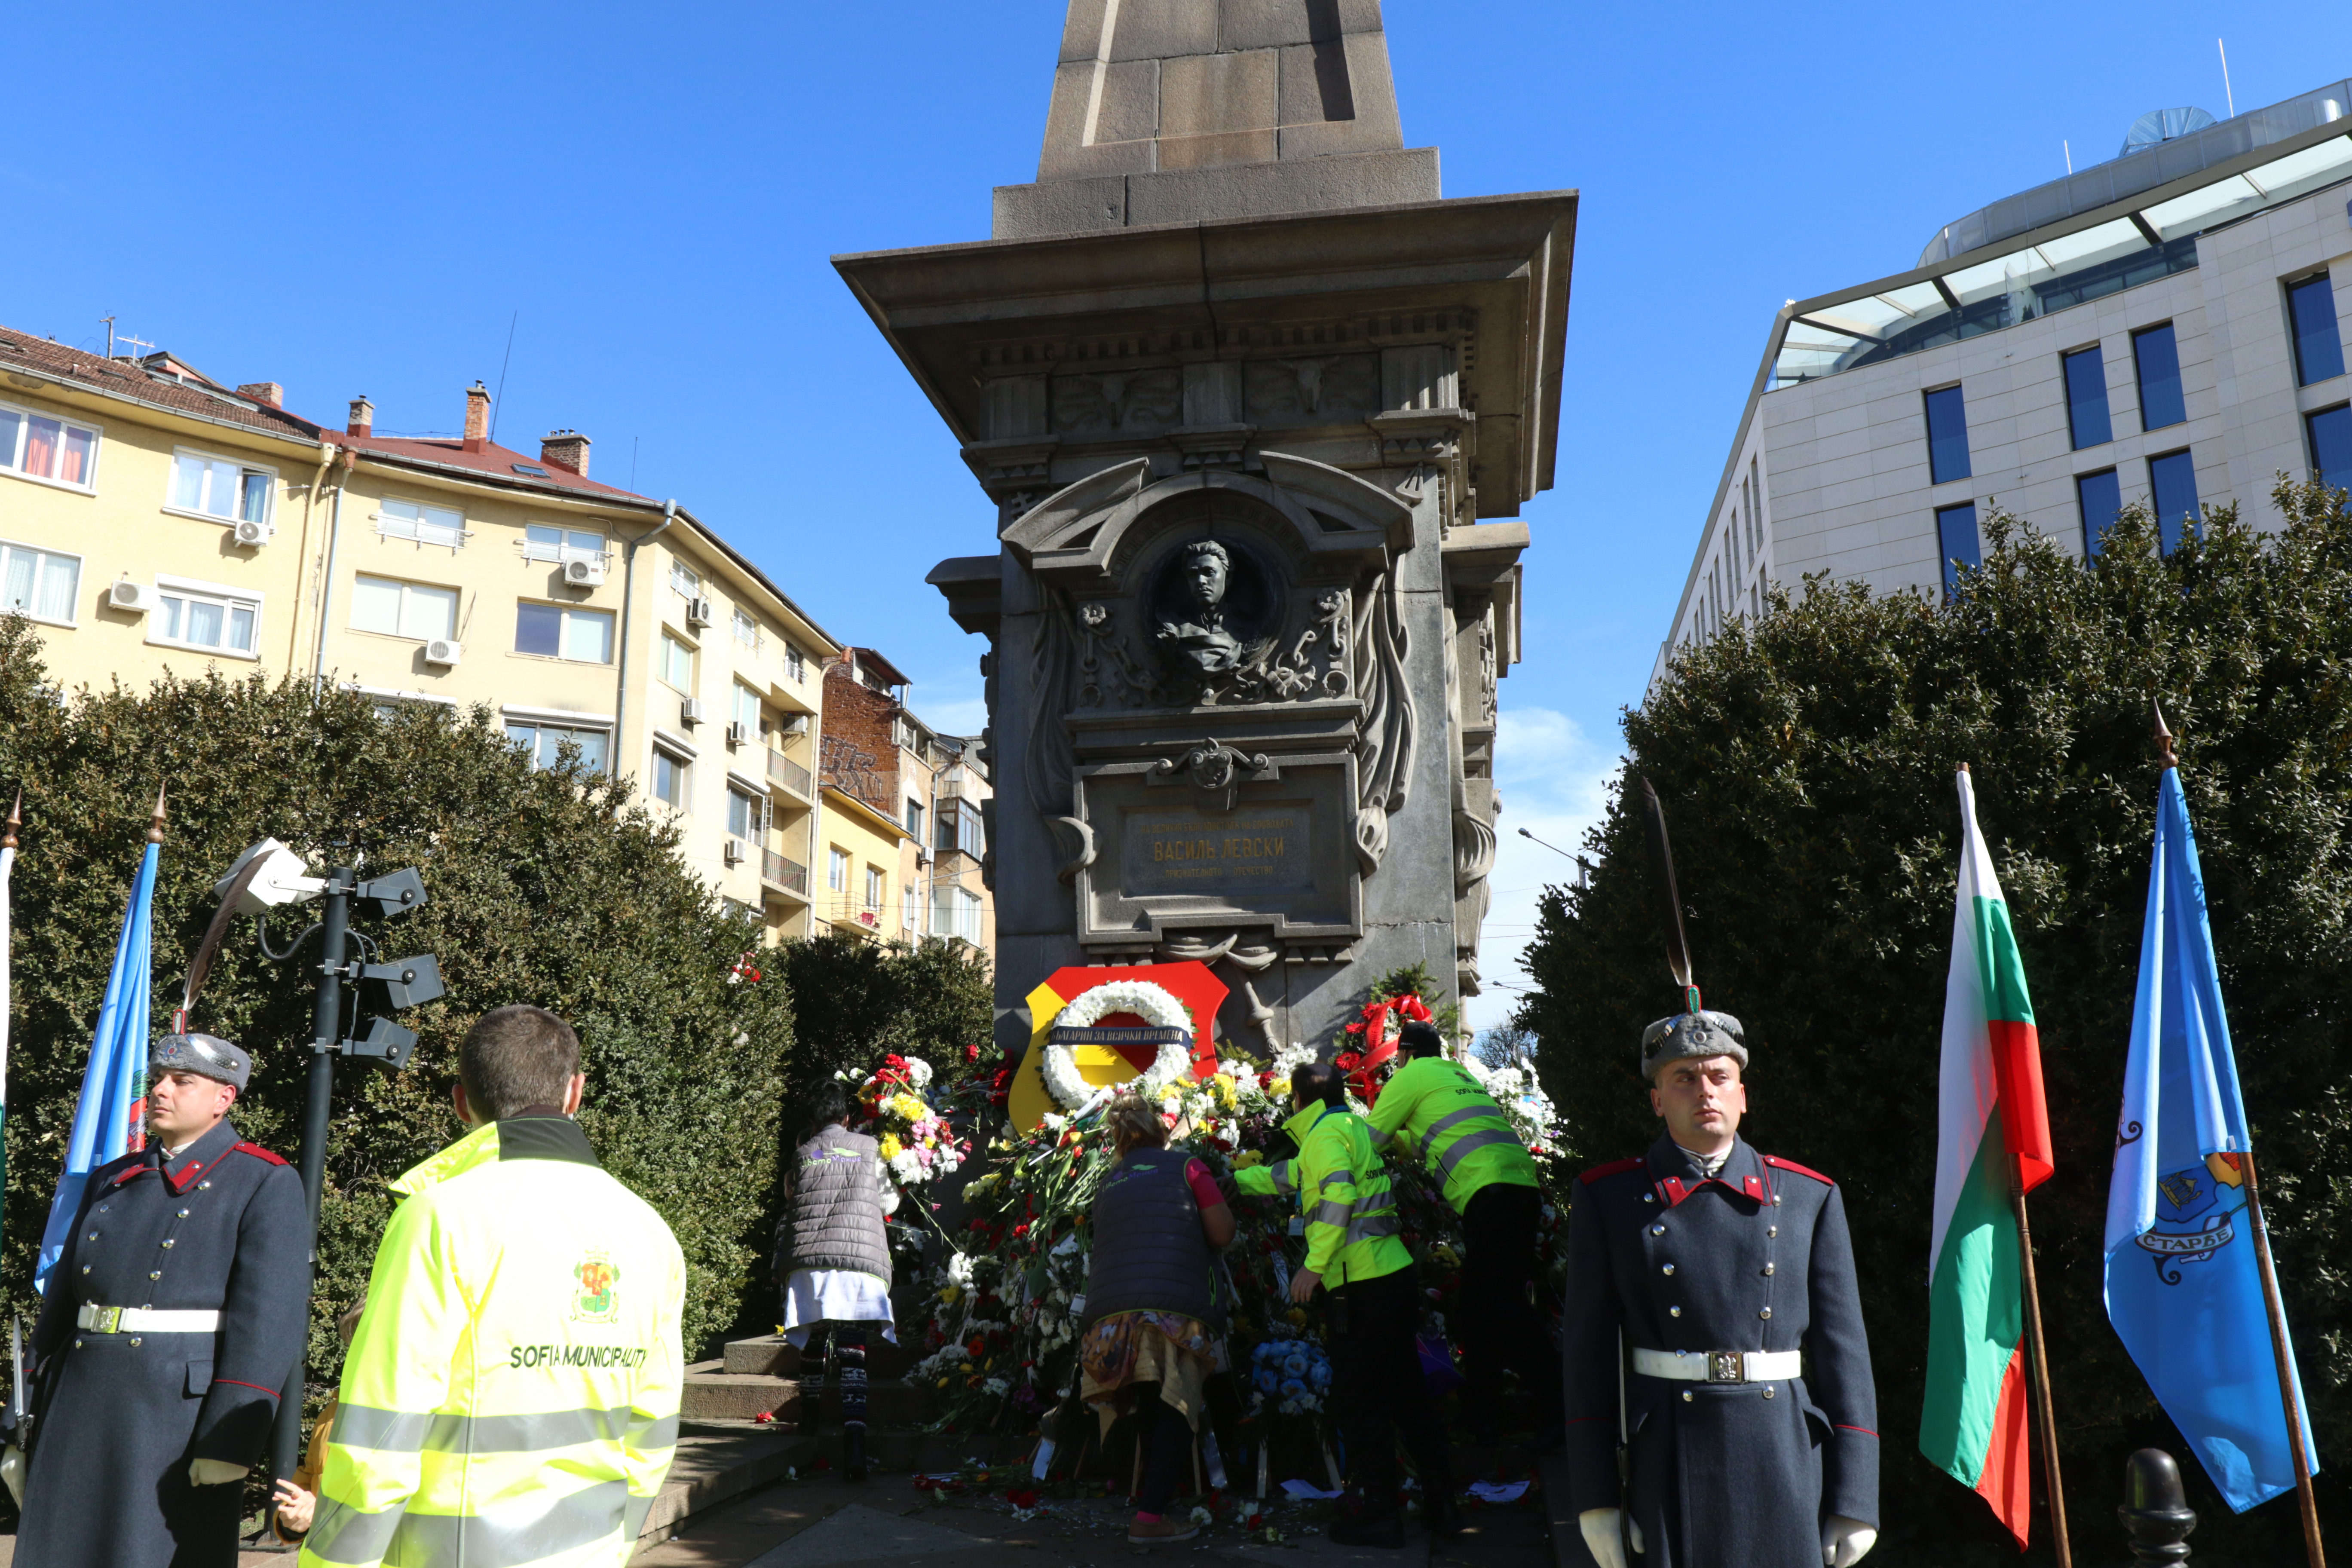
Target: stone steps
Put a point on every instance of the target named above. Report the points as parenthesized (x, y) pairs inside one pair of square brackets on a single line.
[(759, 1376)]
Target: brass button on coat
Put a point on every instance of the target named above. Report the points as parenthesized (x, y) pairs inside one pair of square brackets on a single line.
[(1765, 1313), (1668, 1269)]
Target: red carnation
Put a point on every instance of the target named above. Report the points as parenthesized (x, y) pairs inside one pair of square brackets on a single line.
[(1022, 1498)]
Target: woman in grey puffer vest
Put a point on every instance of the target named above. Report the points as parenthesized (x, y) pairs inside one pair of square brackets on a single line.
[(833, 1261)]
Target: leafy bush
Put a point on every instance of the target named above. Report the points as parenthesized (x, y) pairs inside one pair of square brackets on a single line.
[(1805, 761), (543, 885)]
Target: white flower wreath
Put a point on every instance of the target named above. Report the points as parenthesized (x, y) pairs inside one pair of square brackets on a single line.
[(1155, 1005)]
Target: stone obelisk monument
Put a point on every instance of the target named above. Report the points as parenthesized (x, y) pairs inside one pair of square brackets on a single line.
[(1244, 390)]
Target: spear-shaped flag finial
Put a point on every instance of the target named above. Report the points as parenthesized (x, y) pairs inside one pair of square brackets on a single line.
[(155, 827), (16, 821), (2164, 753)]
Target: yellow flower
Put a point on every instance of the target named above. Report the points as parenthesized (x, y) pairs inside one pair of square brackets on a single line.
[(907, 1108), (1298, 1315), (1278, 1091), (1247, 1158), (952, 1295), (890, 1146), (1222, 1086)]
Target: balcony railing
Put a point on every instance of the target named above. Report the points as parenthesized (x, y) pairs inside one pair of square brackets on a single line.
[(779, 871), (783, 769)]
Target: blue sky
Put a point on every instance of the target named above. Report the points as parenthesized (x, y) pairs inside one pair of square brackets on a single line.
[(351, 200)]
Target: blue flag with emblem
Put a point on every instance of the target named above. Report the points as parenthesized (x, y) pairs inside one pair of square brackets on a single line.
[(2184, 1286), (106, 1122)]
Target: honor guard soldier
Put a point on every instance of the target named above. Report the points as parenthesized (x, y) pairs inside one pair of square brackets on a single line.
[(1745, 1404), (169, 1324), (1434, 1111)]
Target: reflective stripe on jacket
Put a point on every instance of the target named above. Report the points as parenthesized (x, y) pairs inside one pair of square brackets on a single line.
[(511, 1396), (1434, 1110), (1352, 1229)]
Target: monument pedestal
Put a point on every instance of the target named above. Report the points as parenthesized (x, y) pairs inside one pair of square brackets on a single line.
[(1245, 614)]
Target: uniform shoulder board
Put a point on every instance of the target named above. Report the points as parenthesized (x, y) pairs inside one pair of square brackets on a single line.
[(1777, 1163), (259, 1153), (1611, 1169)]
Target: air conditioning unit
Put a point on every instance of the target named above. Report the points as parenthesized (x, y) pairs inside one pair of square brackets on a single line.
[(698, 612), (736, 852), (444, 651), (583, 573), (691, 710), (125, 594), (797, 724), (254, 535), (738, 733)]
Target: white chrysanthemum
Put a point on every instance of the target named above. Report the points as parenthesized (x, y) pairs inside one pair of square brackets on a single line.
[(919, 1072)]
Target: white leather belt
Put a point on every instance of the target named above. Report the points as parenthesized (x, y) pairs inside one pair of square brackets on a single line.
[(1720, 1366), (101, 1320)]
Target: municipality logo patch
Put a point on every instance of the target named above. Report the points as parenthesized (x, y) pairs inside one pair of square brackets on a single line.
[(598, 1297)]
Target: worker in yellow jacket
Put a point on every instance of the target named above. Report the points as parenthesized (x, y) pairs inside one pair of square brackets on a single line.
[(1356, 1251), (511, 1396), (1433, 1111)]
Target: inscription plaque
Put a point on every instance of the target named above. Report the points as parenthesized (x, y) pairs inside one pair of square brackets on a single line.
[(1259, 849)]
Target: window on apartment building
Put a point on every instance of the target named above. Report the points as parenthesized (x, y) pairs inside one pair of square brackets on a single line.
[(402, 609), (955, 912), (1955, 538), (41, 584), (425, 524), (203, 615), (795, 664), (543, 542), (683, 582), (544, 743), (738, 908), (2331, 451), (40, 447), (911, 919), (217, 487), (2155, 353), (874, 887), (2172, 484), (674, 661), (836, 870), (742, 816), (2086, 397), (564, 631), (673, 779), (2311, 315), (1948, 435), (747, 630), (744, 708), (2098, 497), (958, 827), (914, 819)]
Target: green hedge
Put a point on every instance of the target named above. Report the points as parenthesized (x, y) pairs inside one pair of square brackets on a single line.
[(859, 1000), (544, 887), (1806, 762)]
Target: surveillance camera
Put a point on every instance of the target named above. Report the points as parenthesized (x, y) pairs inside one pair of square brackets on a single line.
[(283, 877)]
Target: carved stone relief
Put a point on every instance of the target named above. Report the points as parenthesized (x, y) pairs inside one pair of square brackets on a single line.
[(1312, 388), (1115, 400)]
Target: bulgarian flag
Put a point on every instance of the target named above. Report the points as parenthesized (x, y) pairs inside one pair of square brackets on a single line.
[(1992, 1126)]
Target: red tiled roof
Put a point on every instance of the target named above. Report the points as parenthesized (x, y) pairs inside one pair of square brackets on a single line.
[(489, 462), (134, 381)]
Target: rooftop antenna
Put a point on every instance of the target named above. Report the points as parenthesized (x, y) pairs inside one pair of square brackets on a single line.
[(2070, 154), (2228, 97), (632, 463), (108, 322), (499, 400), (133, 343)]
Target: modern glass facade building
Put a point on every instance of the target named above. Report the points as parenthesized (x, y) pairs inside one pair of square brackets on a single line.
[(2168, 327)]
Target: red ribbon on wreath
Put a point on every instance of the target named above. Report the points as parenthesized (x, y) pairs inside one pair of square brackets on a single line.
[(1378, 1044)]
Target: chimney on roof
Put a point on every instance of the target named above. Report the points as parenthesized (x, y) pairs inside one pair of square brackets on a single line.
[(268, 391), (478, 416), (565, 449), (363, 421)]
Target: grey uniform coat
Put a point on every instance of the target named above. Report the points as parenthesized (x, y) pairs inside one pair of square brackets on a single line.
[(224, 1226), (1757, 1259)]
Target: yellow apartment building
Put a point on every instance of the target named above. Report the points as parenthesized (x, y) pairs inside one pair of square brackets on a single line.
[(152, 518)]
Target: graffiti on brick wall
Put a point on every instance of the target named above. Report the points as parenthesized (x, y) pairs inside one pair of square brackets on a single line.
[(845, 767)]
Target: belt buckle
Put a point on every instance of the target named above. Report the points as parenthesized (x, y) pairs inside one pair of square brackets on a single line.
[(1726, 1366), (109, 1321)]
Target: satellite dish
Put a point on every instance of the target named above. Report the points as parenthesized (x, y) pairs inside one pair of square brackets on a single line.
[(2160, 125)]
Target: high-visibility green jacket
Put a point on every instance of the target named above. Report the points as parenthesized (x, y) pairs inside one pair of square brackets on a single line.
[(511, 1394), (1434, 1110), (1352, 1229)]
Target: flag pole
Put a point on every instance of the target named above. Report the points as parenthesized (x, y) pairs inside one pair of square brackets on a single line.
[(2272, 1306), (2042, 1408)]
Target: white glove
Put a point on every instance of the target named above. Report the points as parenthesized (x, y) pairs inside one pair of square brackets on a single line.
[(1600, 1529), (12, 1473), (1846, 1541), (215, 1472)]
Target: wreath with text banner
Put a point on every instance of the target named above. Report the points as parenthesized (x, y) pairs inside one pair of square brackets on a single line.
[(1155, 1005)]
